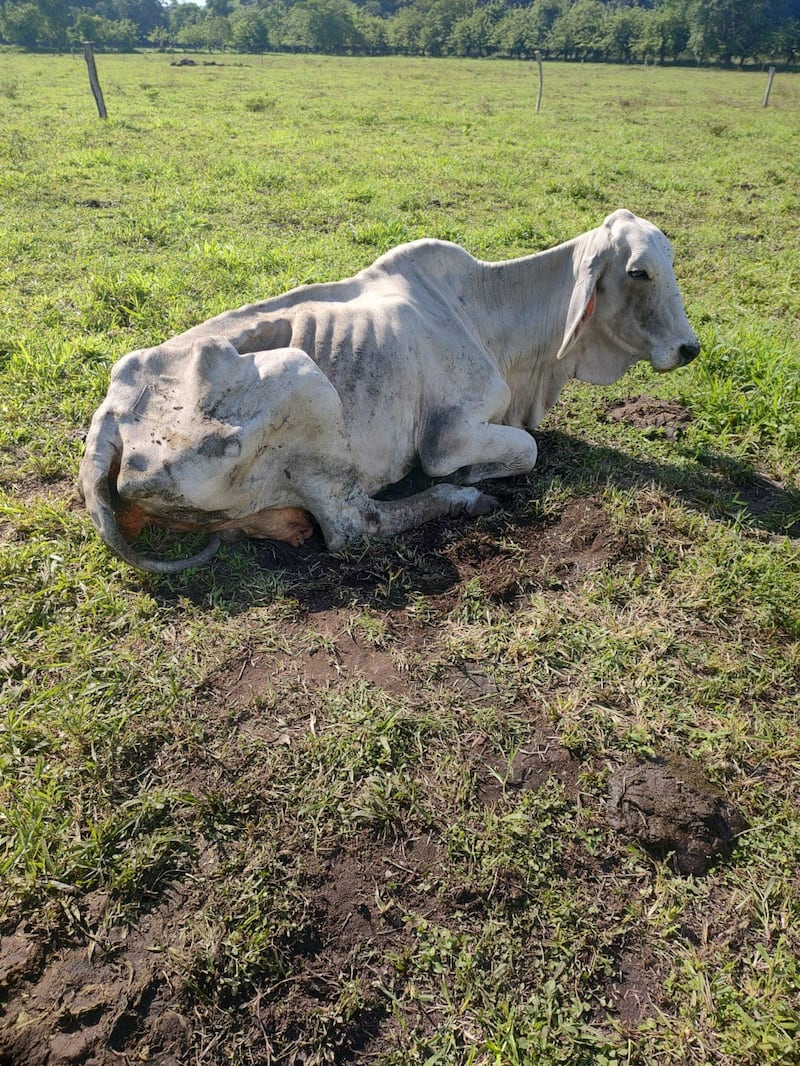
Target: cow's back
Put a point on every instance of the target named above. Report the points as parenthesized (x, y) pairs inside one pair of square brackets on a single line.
[(391, 340)]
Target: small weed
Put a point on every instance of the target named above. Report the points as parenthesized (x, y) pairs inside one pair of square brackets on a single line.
[(123, 300), (381, 235), (370, 628), (258, 104)]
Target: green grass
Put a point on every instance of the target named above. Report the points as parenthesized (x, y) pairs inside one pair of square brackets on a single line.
[(142, 780)]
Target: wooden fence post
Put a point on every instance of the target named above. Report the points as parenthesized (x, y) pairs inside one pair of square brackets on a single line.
[(88, 55), (769, 86), (538, 55)]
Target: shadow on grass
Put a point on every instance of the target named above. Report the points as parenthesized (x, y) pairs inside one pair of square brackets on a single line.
[(722, 487), (422, 562)]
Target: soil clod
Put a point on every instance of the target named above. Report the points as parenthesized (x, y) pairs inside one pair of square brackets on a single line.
[(675, 812), (659, 417)]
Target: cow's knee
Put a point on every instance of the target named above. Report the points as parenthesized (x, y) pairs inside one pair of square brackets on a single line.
[(470, 453)]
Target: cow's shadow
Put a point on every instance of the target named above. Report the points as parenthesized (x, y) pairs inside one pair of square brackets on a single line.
[(723, 487), (424, 561)]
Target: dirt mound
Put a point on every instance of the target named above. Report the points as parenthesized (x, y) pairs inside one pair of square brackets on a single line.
[(95, 998), (555, 553), (339, 645), (674, 811), (663, 417)]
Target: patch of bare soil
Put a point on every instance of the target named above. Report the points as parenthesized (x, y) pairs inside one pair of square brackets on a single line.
[(350, 930), (762, 497), (327, 649), (540, 758), (99, 998), (635, 990), (555, 554), (663, 417), (112, 995)]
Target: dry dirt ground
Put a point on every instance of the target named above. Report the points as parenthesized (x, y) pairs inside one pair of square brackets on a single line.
[(109, 994)]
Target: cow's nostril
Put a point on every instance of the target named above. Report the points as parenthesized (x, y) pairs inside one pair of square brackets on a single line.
[(688, 352)]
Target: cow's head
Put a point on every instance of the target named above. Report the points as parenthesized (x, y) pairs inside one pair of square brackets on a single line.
[(625, 304)]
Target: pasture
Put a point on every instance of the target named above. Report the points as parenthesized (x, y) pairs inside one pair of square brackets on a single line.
[(304, 808)]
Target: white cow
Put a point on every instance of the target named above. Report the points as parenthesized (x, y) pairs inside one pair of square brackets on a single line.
[(309, 403)]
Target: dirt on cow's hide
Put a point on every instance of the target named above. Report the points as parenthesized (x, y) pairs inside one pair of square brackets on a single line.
[(674, 811)]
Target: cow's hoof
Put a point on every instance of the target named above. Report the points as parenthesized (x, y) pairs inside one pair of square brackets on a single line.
[(484, 504), (469, 501)]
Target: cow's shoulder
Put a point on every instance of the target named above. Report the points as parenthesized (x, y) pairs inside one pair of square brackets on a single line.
[(428, 259)]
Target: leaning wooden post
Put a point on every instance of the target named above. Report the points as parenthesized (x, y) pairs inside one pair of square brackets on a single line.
[(538, 55), (88, 55), (769, 86)]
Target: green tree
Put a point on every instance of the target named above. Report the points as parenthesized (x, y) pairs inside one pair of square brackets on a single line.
[(248, 31), (34, 23), (326, 26), (120, 35), (371, 29), (785, 41), (404, 32), (181, 15), (145, 14), (438, 22), (87, 27), (624, 34), (724, 29), (23, 24), (193, 35), (622, 30), (579, 31), (523, 30), (672, 22), (477, 34), (218, 32)]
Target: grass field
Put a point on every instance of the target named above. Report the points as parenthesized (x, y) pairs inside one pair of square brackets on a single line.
[(312, 809)]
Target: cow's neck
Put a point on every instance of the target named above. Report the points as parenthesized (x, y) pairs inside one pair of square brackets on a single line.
[(524, 304)]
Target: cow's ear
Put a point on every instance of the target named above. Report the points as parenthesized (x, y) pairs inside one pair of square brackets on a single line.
[(582, 303)]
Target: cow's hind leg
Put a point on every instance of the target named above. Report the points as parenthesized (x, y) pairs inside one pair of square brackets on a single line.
[(472, 452)]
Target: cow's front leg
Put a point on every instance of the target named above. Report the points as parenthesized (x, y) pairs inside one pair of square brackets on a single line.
[(358, 516), (318, 463), (472, 452)]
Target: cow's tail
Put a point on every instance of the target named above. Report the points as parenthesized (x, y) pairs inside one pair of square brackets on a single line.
[(103, 450)]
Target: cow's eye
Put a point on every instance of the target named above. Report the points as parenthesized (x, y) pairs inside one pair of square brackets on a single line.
[(639, 275)]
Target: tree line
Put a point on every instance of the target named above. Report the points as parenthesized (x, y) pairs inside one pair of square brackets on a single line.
[(627, 31)]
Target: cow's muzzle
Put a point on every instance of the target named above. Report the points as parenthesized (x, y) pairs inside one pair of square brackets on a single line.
[(688, 352)]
